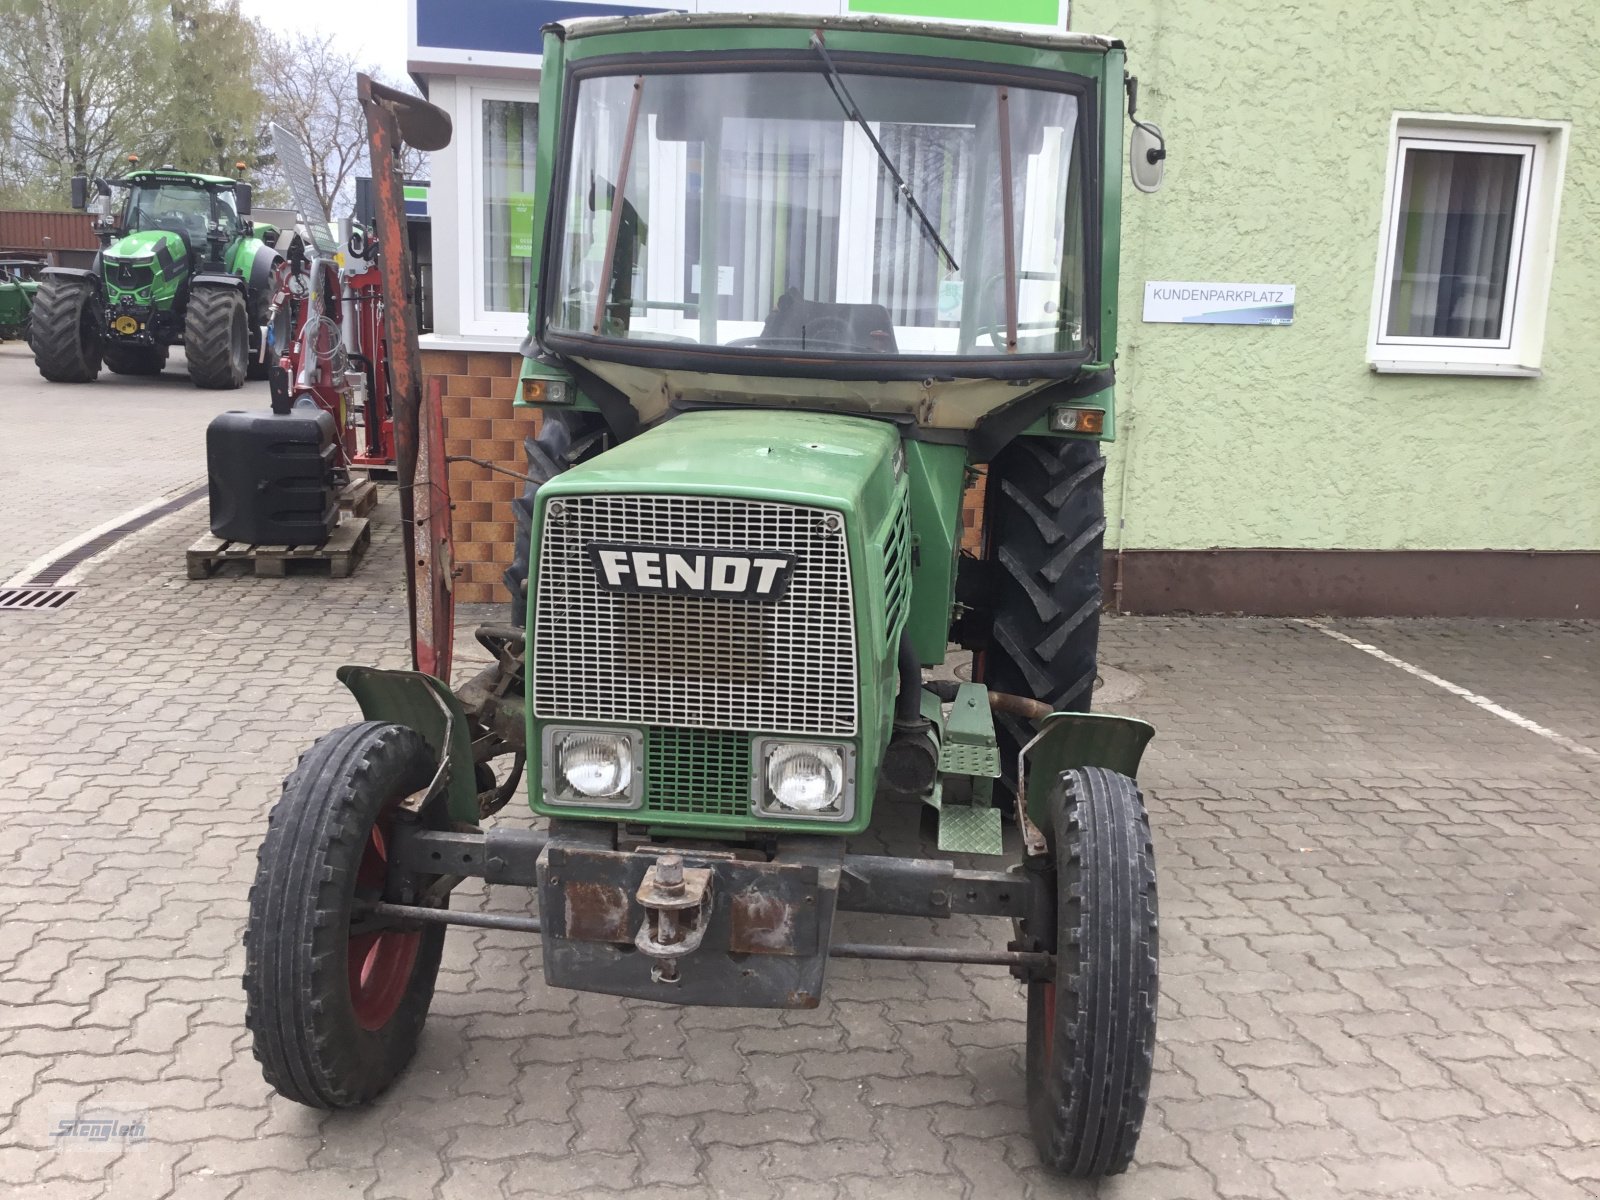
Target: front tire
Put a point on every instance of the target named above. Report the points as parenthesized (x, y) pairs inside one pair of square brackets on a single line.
[(1092, 1028), (216, 338), (65, 331), (335, 1014), (134, 360)]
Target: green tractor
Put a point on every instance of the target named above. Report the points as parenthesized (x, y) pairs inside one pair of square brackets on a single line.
[(19, 284), (180, 263), (797, 279)]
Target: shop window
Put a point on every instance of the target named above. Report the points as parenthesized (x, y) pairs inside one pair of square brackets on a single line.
[(510, 131), (1469, 236)]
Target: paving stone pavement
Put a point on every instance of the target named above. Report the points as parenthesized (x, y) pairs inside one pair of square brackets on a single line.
[(1380, 939), (73, 456)]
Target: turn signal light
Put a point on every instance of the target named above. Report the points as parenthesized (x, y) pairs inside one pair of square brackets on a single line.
[(1078, 420), (544, 391)]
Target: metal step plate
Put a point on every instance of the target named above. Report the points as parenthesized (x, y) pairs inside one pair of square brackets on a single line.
[(966, 829)]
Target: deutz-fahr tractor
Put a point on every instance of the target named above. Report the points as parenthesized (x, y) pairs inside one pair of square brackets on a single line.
[(797, 280), (179, 263)]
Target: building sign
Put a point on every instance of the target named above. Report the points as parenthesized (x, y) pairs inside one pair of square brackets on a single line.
[(1219, 303), (506, 33)]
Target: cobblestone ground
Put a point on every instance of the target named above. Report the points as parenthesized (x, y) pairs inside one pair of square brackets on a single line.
[(73, 456), (1381, 963)]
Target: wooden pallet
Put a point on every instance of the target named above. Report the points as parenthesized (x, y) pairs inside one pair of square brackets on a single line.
[(359, 497), (337, 557)]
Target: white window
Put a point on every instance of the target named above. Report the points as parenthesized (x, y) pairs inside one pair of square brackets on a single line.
[(1468, 243)]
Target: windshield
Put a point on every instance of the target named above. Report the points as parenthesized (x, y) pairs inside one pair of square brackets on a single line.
[(758, 212), (179, 207)]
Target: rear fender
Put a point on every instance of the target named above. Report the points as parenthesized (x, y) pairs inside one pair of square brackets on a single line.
[(1068, 740), (422, 703)]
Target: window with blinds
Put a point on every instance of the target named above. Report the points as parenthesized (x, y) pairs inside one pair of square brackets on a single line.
[(1468, 239)]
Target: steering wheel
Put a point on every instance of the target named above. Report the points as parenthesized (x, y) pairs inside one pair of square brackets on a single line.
[(830, 332)]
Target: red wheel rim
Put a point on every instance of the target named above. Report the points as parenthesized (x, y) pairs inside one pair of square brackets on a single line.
[(1049, 1023), (379, 964)]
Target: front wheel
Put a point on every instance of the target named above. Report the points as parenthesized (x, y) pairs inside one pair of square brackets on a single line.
[(1092, 1027), (65, 331), (216, 338), (336, 1009)]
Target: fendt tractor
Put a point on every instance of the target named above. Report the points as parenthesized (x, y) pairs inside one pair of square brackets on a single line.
[(797, 279), (180, 262)]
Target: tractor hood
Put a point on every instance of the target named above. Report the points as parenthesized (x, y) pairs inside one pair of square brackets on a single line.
[(848, 463), (158, 247)]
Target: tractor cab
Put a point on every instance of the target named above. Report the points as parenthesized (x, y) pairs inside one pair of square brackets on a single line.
[(201, 211)]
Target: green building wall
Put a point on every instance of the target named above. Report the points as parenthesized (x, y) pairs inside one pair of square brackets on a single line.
[(1278, 122)]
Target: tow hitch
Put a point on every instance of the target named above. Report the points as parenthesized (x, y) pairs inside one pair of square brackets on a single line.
[(677, 907)]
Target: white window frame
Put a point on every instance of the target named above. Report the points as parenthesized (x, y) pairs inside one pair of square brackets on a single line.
[(476, 319), (1519, 350)]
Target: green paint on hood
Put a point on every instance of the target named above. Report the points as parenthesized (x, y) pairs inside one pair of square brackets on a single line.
[(787, 457), (143, 245)]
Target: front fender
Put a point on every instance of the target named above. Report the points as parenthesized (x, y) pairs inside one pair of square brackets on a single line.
[(217, 279), (422, 703), (1068, 740)]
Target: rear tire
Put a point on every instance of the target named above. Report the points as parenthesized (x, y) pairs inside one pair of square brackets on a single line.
[(216, 338), (65, 331), (563, 439), (336, 1016), (1045, 527), (1092, 1029), (134, 360)]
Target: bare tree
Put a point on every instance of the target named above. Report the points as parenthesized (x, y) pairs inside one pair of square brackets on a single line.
[(81, 84), (310, 85)]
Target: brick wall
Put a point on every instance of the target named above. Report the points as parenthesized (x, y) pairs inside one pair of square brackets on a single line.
[(479, 421)]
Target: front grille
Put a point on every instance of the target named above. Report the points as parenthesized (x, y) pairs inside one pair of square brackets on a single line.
[(697, 771), (693, 662), (130, 278)]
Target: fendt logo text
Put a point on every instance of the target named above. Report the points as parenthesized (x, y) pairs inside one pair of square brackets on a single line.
[(689, 571)]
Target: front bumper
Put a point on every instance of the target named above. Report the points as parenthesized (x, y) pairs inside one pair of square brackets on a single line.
[(761, 938)]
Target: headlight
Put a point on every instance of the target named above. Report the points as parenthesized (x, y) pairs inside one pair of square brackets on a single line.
[(805, 779), (598, 767)]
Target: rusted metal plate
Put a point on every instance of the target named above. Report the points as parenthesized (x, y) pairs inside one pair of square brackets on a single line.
[(597, 912), (761, 922)]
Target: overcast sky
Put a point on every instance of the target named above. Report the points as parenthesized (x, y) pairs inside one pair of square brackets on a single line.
[(373, 30)]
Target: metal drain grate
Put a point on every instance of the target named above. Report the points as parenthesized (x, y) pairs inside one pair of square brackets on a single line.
[(35, 599)]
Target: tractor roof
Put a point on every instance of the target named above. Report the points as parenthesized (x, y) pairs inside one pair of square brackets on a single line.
[(169, 175), (1043, 39)]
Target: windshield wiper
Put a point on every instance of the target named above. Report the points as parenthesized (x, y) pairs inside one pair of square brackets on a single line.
[(847, 102)]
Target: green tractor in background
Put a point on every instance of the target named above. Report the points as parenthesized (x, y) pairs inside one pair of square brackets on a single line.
[(19, 283), (180, 262)]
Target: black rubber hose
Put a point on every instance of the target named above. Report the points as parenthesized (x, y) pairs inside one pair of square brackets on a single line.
[(908, 704)]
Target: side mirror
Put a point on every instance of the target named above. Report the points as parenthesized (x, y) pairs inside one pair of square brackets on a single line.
[(242, 193), (80, 192), (1147, 156)]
